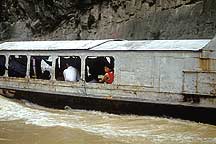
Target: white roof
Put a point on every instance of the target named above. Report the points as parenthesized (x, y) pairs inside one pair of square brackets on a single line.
[(51, 45), (190, 45)]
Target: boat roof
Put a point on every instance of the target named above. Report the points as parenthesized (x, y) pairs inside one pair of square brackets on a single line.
[(113, 45)]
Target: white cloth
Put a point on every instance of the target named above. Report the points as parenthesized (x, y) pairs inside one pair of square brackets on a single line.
[(71, 74), (45, 66)]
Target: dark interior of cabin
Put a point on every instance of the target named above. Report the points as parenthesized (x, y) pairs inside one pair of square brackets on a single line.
[(95, 67), (2, 65), (39, 71), (73, 61), (17, 66), (40, 66)]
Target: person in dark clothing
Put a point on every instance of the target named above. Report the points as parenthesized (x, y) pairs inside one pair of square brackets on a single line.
[(46, 75)]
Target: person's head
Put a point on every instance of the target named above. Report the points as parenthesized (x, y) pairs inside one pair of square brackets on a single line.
[(66, 65), (107, 69)]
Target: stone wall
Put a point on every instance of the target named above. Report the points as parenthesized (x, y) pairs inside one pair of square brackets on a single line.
[(100, 19)]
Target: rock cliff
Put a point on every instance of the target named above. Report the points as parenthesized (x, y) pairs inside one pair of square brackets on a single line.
[(100, 19)]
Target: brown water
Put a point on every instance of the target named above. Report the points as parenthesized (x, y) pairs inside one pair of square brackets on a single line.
[(22, 122)]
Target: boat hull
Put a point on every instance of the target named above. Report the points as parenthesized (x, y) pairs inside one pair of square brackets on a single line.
[(117, 106)]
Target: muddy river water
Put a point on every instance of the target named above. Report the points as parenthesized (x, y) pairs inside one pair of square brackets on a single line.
[(22, 122)]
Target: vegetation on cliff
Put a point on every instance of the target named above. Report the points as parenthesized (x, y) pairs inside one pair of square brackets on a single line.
[(100, 19)]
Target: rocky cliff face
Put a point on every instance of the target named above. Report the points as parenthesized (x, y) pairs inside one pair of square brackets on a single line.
[(100, 19)]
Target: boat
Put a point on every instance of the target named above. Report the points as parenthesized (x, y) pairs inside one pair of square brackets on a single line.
[(172, 78)]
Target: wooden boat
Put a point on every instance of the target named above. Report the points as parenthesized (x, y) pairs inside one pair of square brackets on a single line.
[(175, 78)]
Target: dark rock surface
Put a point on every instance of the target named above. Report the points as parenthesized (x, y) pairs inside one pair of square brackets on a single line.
[(100, 19)]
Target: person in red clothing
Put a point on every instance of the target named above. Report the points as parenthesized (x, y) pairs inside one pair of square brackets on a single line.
[(109, 75)]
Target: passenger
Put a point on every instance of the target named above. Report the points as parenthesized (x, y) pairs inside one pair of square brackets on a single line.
[(71, 73), (109, 75), (46, 75)]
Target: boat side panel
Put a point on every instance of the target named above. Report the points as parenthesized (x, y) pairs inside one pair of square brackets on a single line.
[(155, 76)]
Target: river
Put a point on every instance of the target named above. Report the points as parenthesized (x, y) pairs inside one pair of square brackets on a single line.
[(22, 122)]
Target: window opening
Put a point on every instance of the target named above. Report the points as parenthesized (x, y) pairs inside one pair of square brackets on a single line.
[(2, 65), (17, 66), (95, 69), (40, 67), (68, 68)]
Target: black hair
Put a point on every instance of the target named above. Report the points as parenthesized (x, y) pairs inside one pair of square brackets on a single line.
[(109, 66)]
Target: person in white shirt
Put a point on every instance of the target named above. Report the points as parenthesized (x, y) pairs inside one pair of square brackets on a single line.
[(71, 74)]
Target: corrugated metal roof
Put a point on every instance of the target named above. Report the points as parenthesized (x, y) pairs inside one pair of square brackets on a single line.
[(190, 45), (51, 45)]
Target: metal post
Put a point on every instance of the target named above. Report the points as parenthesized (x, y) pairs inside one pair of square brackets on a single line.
[(82, 75), (6, 65), (28, 66), (53, 67)]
